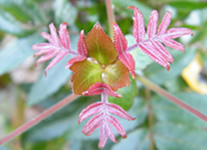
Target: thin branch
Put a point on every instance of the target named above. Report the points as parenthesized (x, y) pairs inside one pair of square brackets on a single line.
[(150, 117), (38, 118), (172, 98), (111, 19)]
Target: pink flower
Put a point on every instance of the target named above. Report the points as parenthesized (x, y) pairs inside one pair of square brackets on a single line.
[(153, 46), (101, 112), (58, 47)]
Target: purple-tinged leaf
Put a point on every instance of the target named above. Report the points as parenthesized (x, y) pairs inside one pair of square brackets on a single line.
[(98, 88), (120, 43), (138, 27), (152, 25), (165, 23), (117, 110), (83, 53), (58, 47)]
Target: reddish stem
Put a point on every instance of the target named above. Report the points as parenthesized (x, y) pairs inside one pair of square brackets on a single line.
[(38, 118), (172, 98), (111, 19)]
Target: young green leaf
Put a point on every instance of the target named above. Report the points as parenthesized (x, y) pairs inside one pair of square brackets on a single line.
[(86, 73), (116, 75)]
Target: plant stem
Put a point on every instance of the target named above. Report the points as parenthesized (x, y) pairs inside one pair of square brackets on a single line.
[(39, 118), (150, 117), (111, 19), (172, 98)]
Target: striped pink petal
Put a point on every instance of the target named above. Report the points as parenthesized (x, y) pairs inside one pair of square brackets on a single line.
[(152, 52), (89, 111), (118, 111), (177, 32), (152, 25), (173, 44), (138, 27), (64, 35), (165, 23)]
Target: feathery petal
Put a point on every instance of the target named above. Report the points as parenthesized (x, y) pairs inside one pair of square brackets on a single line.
[(177, 32), (64, 35), (58, 47), (117, 125), (138, 27), (173, 44), (165, 23), (117, 110), (152, 52), (103, 137), (152, 25), (89, 111)]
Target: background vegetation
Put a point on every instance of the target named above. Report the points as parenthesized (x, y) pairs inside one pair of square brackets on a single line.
[(26, 92)]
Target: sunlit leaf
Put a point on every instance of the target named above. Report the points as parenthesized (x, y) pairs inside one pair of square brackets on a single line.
[(100, 46), (116, 75)]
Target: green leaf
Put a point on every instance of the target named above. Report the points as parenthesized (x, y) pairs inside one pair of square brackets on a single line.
[(160, 75), (138, 139), (15, 53), (116, 75), (86, 73), (100, 46), (128, 93), (169, 136), (166, 111), (46, 86), (64, 12), (10, 25), (16, 10), (188, 5), (140, 58)]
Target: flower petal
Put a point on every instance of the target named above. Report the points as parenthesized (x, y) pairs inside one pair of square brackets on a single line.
[(173, 44), (177, 32)]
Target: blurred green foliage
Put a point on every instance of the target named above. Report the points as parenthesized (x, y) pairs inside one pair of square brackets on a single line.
[(21, 22)]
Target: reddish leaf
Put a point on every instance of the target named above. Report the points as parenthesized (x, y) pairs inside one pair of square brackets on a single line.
[(81, 50), (120, 43), (86, 73), (153, 46), (116, 75), (58, 47), (100, 46), (102, 118)]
